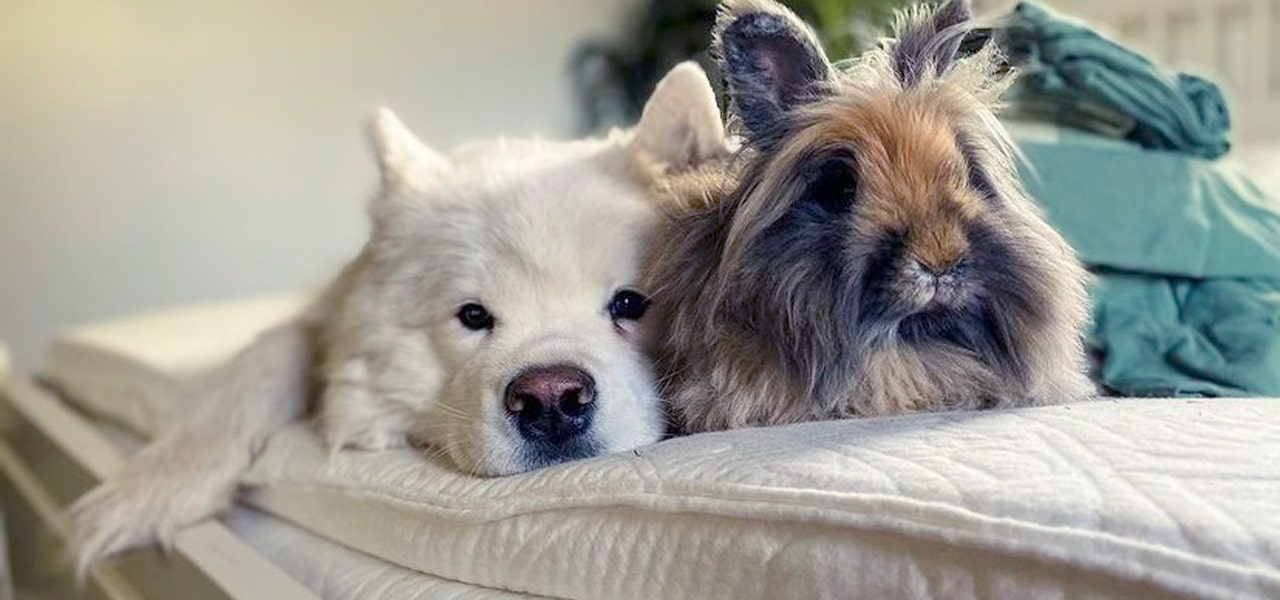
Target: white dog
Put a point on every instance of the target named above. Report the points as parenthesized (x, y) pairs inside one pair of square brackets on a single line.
[(492, 315)]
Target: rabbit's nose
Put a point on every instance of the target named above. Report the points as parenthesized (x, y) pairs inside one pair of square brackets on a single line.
[(942, 267), (939, 248), (939, 271)]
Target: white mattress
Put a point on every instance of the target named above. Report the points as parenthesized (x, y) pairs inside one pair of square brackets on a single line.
[(1136, 498), (337, 573)]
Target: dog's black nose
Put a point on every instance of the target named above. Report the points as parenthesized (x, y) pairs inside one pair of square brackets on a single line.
[(551, 404)]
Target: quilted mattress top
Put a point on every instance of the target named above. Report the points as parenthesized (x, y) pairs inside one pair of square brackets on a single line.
[(1105, 499)]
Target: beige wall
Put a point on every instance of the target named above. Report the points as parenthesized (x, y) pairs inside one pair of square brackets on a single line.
[(154, 152)]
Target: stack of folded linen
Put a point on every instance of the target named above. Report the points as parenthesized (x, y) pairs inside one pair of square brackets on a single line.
[(1186, 249), (1186, 255), (1075, 76)]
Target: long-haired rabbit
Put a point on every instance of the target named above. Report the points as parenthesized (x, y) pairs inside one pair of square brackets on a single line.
[(870, 251)]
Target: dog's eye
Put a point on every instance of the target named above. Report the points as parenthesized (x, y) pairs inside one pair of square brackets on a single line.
[(627, 305), (475, 317)]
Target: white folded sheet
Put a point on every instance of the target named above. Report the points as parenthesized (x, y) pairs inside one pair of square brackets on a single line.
[(1136, 498)]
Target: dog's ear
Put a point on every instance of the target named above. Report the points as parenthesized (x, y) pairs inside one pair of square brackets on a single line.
[(681, 127), (928, 39), (772, 62), (402, 159)]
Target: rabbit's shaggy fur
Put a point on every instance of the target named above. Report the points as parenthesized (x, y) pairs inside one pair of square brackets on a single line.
[(870, 250)]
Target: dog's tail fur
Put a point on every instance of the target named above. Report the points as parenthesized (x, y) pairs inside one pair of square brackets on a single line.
[(191, 472)]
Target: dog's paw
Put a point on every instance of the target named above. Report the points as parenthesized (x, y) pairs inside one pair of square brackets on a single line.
[(113, 518), (353, 418), (365, 435), (157, 495)]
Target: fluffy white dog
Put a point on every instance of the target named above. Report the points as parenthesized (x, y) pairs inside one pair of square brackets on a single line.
[(492, 315)]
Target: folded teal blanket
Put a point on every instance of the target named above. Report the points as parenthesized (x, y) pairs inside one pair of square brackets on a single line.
[(1066, 63), (1186, 254)]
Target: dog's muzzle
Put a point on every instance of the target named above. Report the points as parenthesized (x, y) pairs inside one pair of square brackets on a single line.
[(551, 405)]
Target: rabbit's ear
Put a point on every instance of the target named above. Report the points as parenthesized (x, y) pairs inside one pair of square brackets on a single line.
[(772, 62), (928, 39)]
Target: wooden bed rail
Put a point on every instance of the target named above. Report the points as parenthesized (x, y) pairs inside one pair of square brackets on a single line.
[(50, 455)]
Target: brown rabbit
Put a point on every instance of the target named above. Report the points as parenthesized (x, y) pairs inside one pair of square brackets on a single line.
[(870, 251)]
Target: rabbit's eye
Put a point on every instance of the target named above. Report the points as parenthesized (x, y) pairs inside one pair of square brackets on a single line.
[(835, 185)]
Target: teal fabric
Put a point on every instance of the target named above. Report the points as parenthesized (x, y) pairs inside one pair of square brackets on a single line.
[(1154, 212), (1171, 336), (1186, 254), (1066, 63)]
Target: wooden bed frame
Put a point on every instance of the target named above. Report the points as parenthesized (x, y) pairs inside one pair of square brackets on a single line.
[(50, 455)]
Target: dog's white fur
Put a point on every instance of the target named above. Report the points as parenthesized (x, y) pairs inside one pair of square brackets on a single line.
[(541, 233)]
